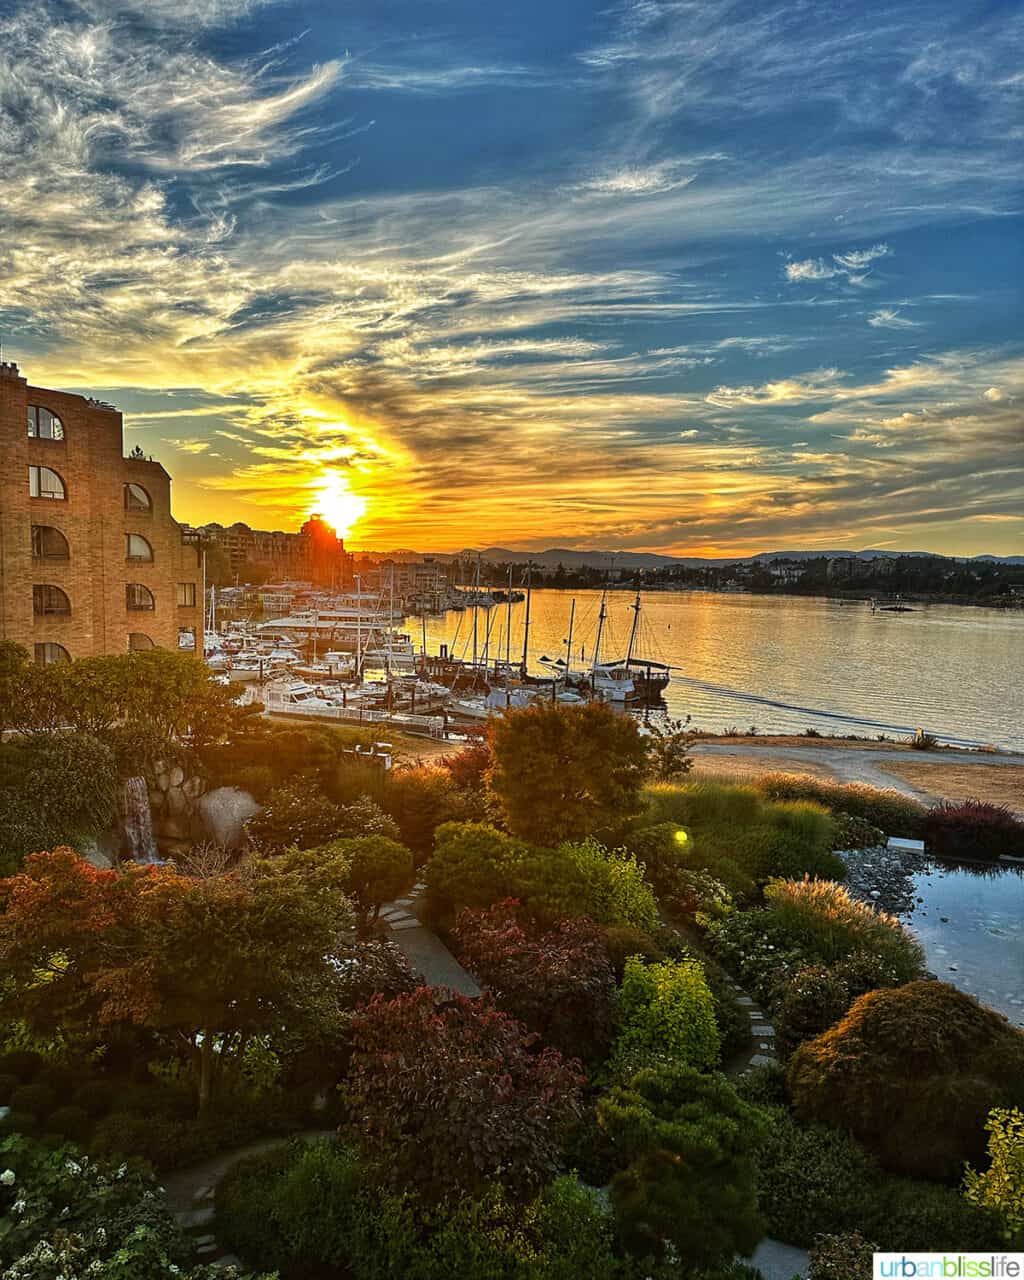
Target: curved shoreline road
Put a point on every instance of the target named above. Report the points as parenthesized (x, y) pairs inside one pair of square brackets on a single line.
[(850, 764)]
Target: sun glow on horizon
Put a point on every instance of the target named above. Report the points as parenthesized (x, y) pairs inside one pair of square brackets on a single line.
[(337, 503)]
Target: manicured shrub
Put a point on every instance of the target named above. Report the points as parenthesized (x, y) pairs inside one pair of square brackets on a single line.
[(1001, 1186), (666, 1011), (312, 1208), (23, 1063), (811, 1001), (622, 942), (614, 889), (566, 772), (18, 1122), (70, 1122), (888, 809), (913, 1073), (97, 1097), (973, 829), (842, 1257), (852, 832), (468, 767), (379, 870), (764, 1085), (688, 1179), (296, 814), (446, 1094), (816, 1179), (821, 917), (559, 982), (758, 951), (473, 866), (36, 1098), (423, 799)]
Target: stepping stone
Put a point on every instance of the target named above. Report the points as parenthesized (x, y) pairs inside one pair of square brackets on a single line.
[(192, 1218), (205, 1242), (406, 924), (744, 1000), (204, 1193), (766, 1029), (760, 1060), (403, 902), (229, 1260), (400, 919), (206, 1249), (766, 1044), (910, 846), (756, 1014)]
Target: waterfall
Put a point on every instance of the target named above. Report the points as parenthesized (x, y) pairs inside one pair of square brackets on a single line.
[(138, 822)]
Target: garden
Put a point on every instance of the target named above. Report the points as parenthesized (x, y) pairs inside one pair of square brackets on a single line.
[(593, 1113)]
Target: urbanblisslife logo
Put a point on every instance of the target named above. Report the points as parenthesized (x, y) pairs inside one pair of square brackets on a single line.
[(949, 1266)]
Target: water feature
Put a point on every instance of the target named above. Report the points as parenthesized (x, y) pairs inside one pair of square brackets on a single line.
[(970, 921), (137, 821), (788, 663)]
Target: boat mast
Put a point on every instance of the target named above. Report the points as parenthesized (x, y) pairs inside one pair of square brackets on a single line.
[(600, 628), (476, 608), (391, 620), (633, 629), (359, 625), (508, 622), (568, 641), (526, 621)]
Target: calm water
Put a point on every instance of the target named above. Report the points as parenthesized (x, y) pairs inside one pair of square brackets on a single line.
[(785, 663), (972, 930)]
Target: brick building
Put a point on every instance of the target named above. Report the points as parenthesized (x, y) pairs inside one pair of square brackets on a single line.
[(91, 560)]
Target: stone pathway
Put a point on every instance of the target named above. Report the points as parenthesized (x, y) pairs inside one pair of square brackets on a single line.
[(424, 950)]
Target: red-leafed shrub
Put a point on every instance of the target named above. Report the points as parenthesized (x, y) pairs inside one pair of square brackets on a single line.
[(973, 829), (560, 982), (448, 1094), (468, 767)]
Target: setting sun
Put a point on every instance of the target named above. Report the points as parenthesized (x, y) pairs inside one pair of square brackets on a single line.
[(338, 504)]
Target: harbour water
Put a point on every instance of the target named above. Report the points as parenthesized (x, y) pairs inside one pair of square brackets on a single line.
[(788, 663)]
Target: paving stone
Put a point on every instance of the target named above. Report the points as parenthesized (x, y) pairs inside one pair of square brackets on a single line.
[(765, 1029), (404, 902), (407, 923), (756, 1014), (204, 1242), (744, 1000), (192, 1218), (204, 1193), (228, 1260), (206, 1249), (760, 1060)]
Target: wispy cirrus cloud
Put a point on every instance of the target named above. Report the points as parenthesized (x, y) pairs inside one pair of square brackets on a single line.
[(852, 266), (891, 318)]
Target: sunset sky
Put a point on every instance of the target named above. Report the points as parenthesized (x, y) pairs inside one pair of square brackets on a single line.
[(699, 277)]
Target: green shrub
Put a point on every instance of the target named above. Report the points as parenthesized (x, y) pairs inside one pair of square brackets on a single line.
[(913, 1073), (23, 1063), (36, 1098), (8, 1084), (18, 1122), (757, 950), (764, 1085), (815, 1179), (97, 1097), (623, 942), (810, 1002), (56, 1076), (70, 1122), (666, 1011), (306, 1208), (1001, 1186), (852, 832), (687, 1143), (703, 804), (888, 809), (614, 889), (822, 918), (973, 829)]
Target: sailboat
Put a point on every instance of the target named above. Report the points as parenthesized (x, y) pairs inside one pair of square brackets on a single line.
[(650, 678)]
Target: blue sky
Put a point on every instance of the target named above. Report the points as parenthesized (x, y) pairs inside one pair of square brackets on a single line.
[(695, 277)]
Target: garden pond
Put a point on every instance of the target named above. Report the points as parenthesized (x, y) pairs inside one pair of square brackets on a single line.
[(968, 917)]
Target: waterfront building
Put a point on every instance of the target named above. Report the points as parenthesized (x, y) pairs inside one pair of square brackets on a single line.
[(91, 559), (315, 554)]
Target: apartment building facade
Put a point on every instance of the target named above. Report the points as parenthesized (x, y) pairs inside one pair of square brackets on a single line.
[(91, 559)]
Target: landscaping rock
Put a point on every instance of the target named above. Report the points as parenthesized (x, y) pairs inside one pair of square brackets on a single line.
[(223, 813)]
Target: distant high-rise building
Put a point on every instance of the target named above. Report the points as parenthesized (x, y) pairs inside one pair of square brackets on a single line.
[(91, 559), (314, 554)]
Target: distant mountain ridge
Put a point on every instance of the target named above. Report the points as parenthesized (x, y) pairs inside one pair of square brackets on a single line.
[(571, 559)]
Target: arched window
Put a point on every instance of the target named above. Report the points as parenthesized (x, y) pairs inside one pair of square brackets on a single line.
[(44, 483), (138, 640), (138, 598), (43, 424), (49, 543), (50, 652), (137, 548), (136, 498), (48, 600)]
